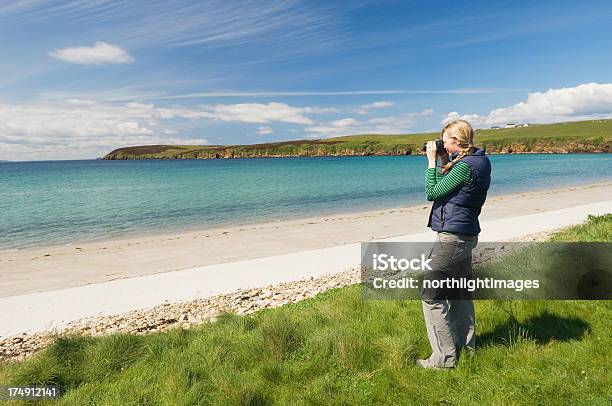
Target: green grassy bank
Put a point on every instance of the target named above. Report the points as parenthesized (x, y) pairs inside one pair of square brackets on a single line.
[(338, 349), (584, 136)]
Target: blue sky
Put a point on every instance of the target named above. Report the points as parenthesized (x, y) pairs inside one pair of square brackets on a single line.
[(95, 75)]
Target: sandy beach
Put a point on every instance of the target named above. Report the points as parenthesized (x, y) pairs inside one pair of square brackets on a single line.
[(57, 267)]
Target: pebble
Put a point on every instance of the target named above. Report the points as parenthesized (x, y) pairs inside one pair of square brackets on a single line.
[(185, 315)]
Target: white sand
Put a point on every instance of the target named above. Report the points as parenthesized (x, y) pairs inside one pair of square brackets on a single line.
[(236, 258)]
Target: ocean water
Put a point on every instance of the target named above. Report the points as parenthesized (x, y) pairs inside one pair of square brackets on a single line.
[(59, 202)]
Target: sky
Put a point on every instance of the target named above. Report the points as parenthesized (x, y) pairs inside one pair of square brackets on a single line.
[(81, 78)]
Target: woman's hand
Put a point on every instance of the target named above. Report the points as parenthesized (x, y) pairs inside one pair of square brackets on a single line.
[(431, 153)]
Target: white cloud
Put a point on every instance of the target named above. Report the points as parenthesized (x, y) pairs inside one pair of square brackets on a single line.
[(80, 102), (73, 130), (260, 113), (263, 130), (365, 109), (381, 125), (399, 123), (345, 122), (473, 119), (79, 128), (582, 102), (98, 54)]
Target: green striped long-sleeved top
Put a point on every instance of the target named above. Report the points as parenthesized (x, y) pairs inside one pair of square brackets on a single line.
[(439, 186)]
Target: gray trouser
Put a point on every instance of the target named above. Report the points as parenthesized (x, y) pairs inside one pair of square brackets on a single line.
[(449, 315)]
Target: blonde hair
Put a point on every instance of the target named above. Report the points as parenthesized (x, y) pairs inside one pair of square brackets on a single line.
[(463, 132)]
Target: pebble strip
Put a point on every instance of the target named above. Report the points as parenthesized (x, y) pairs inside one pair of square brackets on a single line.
[(185, 314)]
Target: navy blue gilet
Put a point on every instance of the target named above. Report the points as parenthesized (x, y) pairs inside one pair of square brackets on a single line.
[(458, 212)]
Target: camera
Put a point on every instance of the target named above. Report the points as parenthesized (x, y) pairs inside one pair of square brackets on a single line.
[(439, 146)]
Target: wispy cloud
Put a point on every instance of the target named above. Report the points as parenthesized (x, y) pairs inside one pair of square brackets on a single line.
[(16, 6), (285, 28), (525, 22), (365, 109), (98, 54), (321, 93), (397, 124), (263, 130)]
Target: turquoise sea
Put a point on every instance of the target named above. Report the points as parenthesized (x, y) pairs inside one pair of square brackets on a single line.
[(59, 202)]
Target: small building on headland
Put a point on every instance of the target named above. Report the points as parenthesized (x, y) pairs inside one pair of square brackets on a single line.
[(515, 125)]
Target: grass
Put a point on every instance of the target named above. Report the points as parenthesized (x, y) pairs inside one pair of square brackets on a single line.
[(596, 229), (338, 349), (583, 136)]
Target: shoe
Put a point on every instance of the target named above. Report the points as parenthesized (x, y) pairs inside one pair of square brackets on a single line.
[(424, 363)]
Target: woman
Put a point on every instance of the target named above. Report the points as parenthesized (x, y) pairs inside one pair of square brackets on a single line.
[(458, 194)]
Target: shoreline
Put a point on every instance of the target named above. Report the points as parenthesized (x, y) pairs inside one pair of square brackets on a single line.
[(57, 267), (138, 236)]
